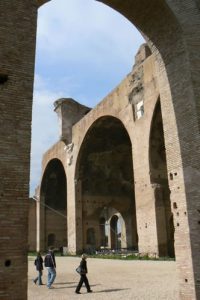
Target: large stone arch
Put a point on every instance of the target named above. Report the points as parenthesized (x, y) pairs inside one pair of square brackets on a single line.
[(160, 185), (172, 30), (104, 179), (53, 206)]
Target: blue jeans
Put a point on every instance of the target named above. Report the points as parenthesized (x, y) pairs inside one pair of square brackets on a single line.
[(51, 276), (39, 278)]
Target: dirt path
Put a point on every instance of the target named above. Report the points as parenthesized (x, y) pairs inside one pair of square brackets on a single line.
[(109, 279)]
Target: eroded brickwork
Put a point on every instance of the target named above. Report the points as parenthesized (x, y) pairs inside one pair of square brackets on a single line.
[(17, 35), (172, 30)]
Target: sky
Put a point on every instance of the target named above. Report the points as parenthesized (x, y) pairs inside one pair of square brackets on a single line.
[(83, 51)]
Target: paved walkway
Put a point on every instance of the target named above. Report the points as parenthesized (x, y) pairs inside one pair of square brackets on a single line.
[(109, 279)]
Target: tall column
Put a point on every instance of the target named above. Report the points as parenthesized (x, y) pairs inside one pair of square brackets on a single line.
[(79, 216), (17, 53), (38, 246), (180, 124), (74, 212)]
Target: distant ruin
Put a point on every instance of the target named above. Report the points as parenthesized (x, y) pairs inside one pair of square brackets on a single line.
[(163, 166), (99, 150)]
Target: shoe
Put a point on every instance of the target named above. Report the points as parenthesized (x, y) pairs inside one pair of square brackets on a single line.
[(50, 287), (90, 291), (34, 281), (77, 292)]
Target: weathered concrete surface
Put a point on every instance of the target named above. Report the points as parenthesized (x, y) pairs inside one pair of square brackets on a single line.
[(109, 279)]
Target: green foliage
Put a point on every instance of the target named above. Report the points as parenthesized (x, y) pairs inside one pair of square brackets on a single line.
[(134, 256)]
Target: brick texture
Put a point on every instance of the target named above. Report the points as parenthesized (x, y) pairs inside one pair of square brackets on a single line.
[(172, 30)]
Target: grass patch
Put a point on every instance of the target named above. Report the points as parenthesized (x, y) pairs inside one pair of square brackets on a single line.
[(130, 257)]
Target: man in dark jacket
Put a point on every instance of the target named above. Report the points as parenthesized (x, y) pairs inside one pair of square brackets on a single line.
[(39, 267), (83, 279), (50, 264)]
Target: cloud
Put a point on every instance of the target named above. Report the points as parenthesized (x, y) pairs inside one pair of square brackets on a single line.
[(44, 126), (85, 30)]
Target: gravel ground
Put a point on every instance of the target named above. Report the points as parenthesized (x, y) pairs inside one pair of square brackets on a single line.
[(109, 279)]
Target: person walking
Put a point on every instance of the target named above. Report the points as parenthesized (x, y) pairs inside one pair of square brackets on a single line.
[(83, 278), (50, 264), (39, 267)]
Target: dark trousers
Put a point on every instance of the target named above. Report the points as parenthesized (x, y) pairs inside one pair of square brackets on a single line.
[(83, 279), (38, 278)]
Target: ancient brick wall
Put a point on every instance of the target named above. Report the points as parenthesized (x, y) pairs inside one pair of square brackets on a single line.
[(17, 35), (172, 30)]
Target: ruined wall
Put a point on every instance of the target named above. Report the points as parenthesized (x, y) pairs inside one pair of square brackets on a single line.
[(17, 50), (97, 165), (120, 103), (172, 29)]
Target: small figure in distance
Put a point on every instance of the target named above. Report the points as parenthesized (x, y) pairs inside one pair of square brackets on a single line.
[(50, 264), (61, 250), (39, 267), (83, 278)]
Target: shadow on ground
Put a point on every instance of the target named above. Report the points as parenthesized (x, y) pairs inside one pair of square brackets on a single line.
[(110, 290)]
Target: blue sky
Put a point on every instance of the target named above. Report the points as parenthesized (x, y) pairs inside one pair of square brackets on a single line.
[(84, 49)]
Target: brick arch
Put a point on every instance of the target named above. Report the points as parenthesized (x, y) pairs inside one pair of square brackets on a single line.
[(56, 167), (52, 214), (91, 123), (104, 169), (172, 30), (91, 126)]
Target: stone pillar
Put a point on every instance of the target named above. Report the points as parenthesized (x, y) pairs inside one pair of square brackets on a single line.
[(38, 246), (181, 108), (146, 219), (74, 213), (43, 231), (125, 230), (160, 220), (109, 233), (181, 130), (98, 234), (79, 215)]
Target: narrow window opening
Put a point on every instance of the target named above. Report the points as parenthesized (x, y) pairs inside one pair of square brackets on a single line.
[(3, 78), (7, 263), (139, 109)]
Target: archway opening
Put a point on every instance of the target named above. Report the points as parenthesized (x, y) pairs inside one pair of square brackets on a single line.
[(53, 209), (159, 180), (103, 232), (80, 56), (114, 233), (105, 174)]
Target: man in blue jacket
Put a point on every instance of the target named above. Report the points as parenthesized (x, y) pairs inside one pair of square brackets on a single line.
[(50, 264)]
